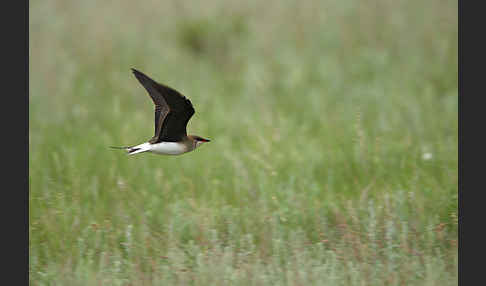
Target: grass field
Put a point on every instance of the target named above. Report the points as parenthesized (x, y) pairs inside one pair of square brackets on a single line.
[(333, 159)]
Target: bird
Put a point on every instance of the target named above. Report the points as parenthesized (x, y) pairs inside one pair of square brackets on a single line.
[(172, 113)]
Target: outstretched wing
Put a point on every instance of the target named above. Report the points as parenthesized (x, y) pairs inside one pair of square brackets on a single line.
[(172, 110)]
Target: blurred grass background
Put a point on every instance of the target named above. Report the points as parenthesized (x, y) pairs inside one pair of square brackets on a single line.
[(333, 158)]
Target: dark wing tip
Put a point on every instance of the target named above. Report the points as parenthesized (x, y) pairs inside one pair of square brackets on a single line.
[(135, 71), (144, 79), (165, 91), (138, 74)]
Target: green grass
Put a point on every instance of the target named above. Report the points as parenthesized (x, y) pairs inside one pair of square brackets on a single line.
[(322, 116)]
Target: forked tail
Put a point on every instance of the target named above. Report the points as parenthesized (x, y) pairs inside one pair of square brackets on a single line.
[(134, 149)]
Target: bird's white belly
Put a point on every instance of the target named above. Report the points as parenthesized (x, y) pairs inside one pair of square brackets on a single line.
[(168, 148)]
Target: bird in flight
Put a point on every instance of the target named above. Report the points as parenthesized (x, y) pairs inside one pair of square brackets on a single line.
[(172, 112)]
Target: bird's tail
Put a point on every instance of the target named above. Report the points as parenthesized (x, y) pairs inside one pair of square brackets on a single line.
[(144, 147)]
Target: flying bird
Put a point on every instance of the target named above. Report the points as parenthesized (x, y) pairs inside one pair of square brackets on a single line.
[(172, 112)]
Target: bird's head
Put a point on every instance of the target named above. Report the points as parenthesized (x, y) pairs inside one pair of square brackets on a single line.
[(198, 141)]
